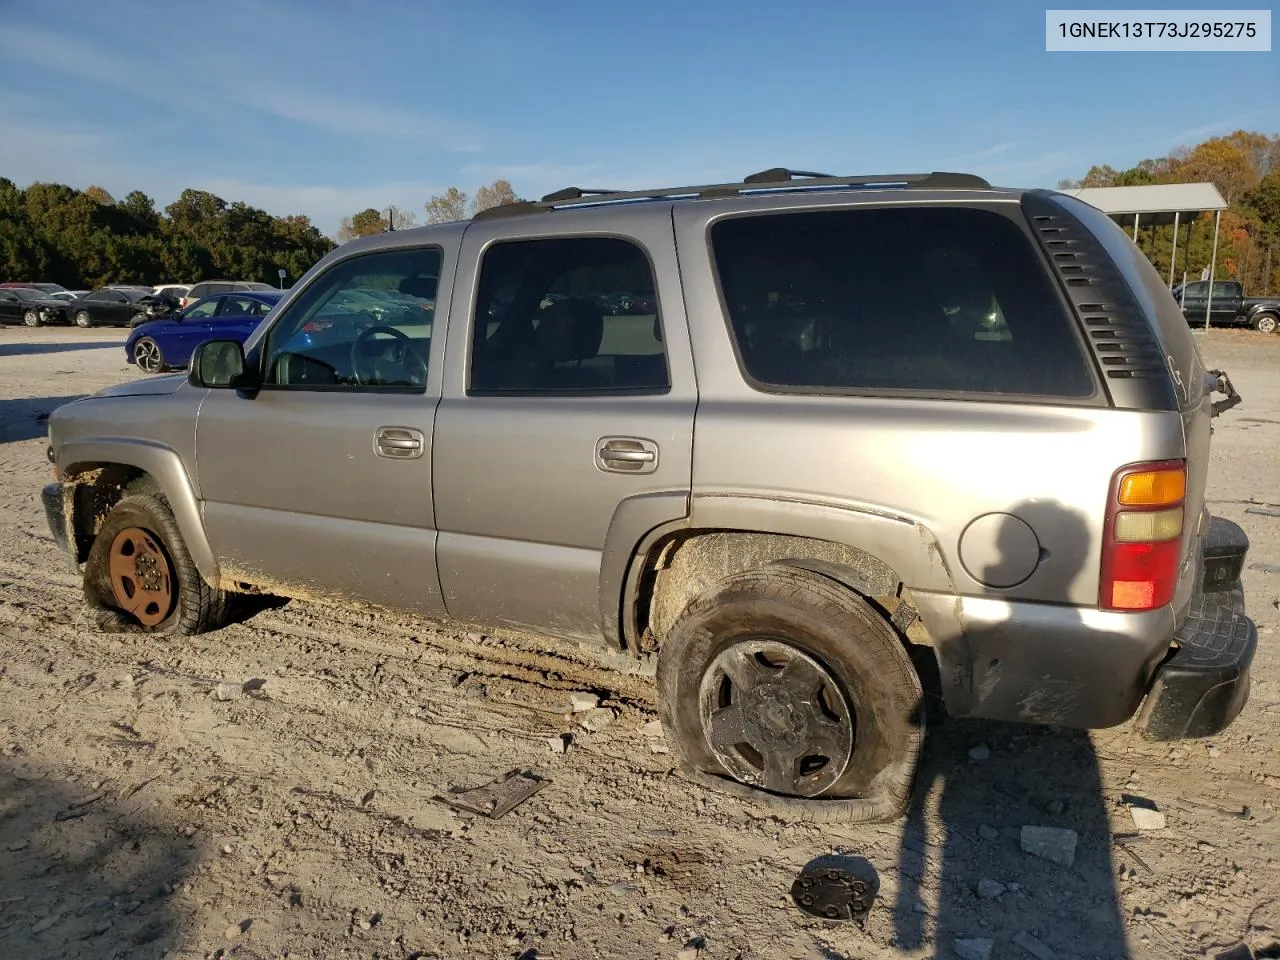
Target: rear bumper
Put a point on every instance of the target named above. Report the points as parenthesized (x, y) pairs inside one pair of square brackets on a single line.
[(1083, 667), (1203, 684)]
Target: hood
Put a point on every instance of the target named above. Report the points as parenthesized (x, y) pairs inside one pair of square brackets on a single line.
[(147, 387)]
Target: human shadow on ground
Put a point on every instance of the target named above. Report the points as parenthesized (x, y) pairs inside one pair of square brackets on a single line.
[(86, 874), (27, 348), (28, 418), (993, 898)]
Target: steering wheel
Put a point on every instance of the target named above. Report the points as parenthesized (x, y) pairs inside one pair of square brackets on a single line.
[(403, 351)]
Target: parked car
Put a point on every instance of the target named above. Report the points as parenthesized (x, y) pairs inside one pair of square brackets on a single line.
[(175, 291), (42, 287), (159, 345), (885, 480), (1229, 306), (30, 307), (109, 307), (207, 288)]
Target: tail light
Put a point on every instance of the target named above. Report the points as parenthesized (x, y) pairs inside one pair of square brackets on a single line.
[(1141, 546)]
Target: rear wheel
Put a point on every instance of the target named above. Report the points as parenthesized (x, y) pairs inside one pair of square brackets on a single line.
[(31, 318), (83, 319), (783, 684), (147, 355), (1266, 323), (140, 578)]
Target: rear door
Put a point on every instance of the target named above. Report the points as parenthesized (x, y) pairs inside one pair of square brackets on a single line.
[(556, 411), (10, 307), (320, 484), (237, 317)]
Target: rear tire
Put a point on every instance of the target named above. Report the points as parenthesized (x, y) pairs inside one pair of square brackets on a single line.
[(859, 674), (1266, 323), (83, 319), (140, 578), (30, 318)]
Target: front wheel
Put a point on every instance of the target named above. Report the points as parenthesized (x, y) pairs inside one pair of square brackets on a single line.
[(784, 682), (30, 318), (1265, 323), (83, 319), (140, 578), (147, 355)]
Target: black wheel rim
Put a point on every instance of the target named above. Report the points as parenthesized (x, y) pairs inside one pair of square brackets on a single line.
[(776, 718)]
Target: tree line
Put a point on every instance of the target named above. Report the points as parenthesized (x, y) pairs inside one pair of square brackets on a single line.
[(453, 204), (86, 238), (1245, 167)]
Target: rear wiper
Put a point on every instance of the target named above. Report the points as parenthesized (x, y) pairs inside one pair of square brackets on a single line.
[(1221, 383)]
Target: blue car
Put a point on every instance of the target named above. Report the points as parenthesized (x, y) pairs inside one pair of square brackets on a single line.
[(163, 344)]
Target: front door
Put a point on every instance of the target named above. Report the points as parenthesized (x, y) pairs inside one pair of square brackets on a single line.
[(191, 330), (569, 388), (320, 484)]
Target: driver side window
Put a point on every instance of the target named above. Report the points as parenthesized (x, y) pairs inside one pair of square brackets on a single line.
[(364, 325)]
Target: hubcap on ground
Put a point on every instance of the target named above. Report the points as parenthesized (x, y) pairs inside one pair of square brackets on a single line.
[(141, 576), (147, 355), (776, 718)]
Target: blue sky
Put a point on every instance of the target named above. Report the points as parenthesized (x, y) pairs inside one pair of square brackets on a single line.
[(326, 107)]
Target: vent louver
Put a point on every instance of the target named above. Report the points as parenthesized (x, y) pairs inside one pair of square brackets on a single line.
[(1117, 331)]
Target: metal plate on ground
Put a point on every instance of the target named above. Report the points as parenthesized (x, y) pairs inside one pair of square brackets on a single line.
[(498, 797)]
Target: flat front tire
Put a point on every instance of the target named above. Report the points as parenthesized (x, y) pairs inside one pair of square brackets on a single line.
[(140, 578), (785, 685)]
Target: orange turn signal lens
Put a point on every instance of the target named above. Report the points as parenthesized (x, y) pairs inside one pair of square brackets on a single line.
[(1153, 488)]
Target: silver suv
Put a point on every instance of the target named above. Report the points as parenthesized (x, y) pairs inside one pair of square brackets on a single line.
[(804, 440)]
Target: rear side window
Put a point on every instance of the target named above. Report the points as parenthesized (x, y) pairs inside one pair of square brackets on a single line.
[(940, 300), (567, 316)]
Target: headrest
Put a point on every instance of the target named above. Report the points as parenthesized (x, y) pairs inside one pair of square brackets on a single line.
[(424, 288), (657, 329), (570, 330)]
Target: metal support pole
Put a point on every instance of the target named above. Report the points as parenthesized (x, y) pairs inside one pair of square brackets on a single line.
[(1213, 268), (1173, 256), (1135, 227)]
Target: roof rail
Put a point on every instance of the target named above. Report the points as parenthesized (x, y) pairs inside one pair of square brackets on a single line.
[(776, 179)]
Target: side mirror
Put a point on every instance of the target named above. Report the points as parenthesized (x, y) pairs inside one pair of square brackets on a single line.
[(219, 364)]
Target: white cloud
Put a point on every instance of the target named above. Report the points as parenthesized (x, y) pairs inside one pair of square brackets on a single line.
[(235, 77)]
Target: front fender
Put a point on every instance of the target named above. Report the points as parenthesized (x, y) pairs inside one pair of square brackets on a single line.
[(165, 467)]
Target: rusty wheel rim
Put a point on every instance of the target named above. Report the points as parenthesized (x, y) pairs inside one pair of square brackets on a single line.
[(141, 576)]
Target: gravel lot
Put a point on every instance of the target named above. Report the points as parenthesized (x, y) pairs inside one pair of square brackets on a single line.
[(140, 816)]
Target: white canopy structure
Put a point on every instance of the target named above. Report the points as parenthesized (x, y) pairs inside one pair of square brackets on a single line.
[(1161, 204)]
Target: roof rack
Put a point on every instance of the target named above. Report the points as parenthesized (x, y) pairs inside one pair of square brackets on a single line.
[(775, 179)]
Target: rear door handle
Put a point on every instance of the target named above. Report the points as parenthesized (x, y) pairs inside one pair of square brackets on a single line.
[(626, 455), (399, 443)]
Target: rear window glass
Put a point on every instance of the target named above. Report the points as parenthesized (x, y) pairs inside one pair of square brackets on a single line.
[(938, 300)]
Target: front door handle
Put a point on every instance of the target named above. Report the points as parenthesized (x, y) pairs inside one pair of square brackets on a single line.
[(626, 455), (399, 443)]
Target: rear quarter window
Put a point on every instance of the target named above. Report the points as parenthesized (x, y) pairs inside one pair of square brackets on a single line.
[(934, 300)]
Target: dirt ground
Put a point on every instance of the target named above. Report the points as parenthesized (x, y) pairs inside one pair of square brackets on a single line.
[(141, 816)]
